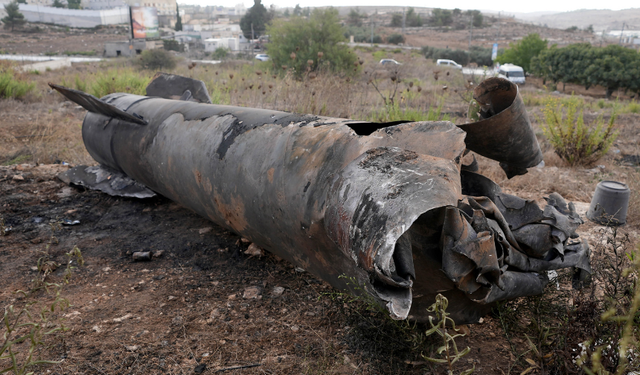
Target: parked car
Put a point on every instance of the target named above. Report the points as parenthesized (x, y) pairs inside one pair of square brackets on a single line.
[(389, 62), (262, 57), (451, 63), (513, 73)]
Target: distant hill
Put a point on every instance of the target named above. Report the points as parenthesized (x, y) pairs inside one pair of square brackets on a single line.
[(601, 19)]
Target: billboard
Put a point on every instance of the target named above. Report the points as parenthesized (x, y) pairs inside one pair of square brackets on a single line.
[(144, 22)]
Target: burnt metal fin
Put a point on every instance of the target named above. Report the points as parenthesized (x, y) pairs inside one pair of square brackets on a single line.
[(95, 105)]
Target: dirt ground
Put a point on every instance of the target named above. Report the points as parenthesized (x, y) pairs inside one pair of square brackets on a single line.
[(45, 39)]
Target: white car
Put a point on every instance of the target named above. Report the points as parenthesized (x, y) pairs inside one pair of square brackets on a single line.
[(389, 62), (451, 63), (262, 57)]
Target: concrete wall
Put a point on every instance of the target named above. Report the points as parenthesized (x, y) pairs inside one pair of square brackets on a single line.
[(116, 49), (74, 17)]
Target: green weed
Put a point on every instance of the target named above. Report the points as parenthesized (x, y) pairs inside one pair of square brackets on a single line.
[(119, 80), (449, 349), (574, 141), (12, 87), (36, 319)]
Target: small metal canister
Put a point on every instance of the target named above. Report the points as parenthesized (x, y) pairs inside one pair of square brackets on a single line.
[(610, 203)]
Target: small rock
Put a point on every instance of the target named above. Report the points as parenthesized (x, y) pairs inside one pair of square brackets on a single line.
[(200, 368), (18, 177), (132, 348), (300, 269), (158, 254), (252, 292), (97, 328), (120, 319), (172, 297), (254, 251), (106, 269), (205, 230), (178, 320), (277, 291), (232, 297), (215, 313), (141, 256), (245, 240), (295, 328)]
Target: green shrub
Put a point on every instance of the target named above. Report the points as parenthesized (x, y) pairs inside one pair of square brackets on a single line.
[(633, 107), (119, 80), (156, 59), (220, 53), (574, 141), (14, 87), (395, 39), (173, 45)]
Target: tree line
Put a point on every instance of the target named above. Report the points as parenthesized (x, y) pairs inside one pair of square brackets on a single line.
[(613, 67)]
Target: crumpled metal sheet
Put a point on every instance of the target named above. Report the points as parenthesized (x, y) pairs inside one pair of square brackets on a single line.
[(384, 208), (109, 181)]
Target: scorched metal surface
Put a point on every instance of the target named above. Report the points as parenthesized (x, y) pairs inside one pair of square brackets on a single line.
[(386, 212)]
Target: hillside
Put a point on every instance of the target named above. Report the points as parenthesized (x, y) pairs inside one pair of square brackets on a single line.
[(601, 19)]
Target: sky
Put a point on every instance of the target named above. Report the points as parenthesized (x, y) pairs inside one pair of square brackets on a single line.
[(513, 6)]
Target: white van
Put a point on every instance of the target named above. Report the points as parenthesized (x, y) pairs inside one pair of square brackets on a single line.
[(446, 62), (513, 73)]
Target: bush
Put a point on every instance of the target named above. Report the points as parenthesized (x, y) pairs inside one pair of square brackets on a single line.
[(395, 39), (173, 45), (220, 53), (14, 87), (156, 59), (457, 55), (119, 80), (574, 141), (305, 45)]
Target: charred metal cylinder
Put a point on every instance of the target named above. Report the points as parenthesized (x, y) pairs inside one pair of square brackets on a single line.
[(384, 212)]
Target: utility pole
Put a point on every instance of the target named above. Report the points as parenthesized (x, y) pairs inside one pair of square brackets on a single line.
[(470, 31), (404, 20), (371, 18), (621, 33)]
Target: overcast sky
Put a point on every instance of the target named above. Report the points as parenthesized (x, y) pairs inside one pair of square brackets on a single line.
[(513, 6)]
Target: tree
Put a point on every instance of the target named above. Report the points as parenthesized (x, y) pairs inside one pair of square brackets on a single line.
[(441, 17), (396, 20), (476, 17), (14, 18), (413, 18), (21, 1), (355, 18), (522, 52), (58, 4), (73, 4), (287, 13), (297, 11), (178, 19), (254, 23), (306, 45)]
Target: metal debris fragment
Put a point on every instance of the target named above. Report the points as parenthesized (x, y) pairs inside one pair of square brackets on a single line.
[(383, 208)]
